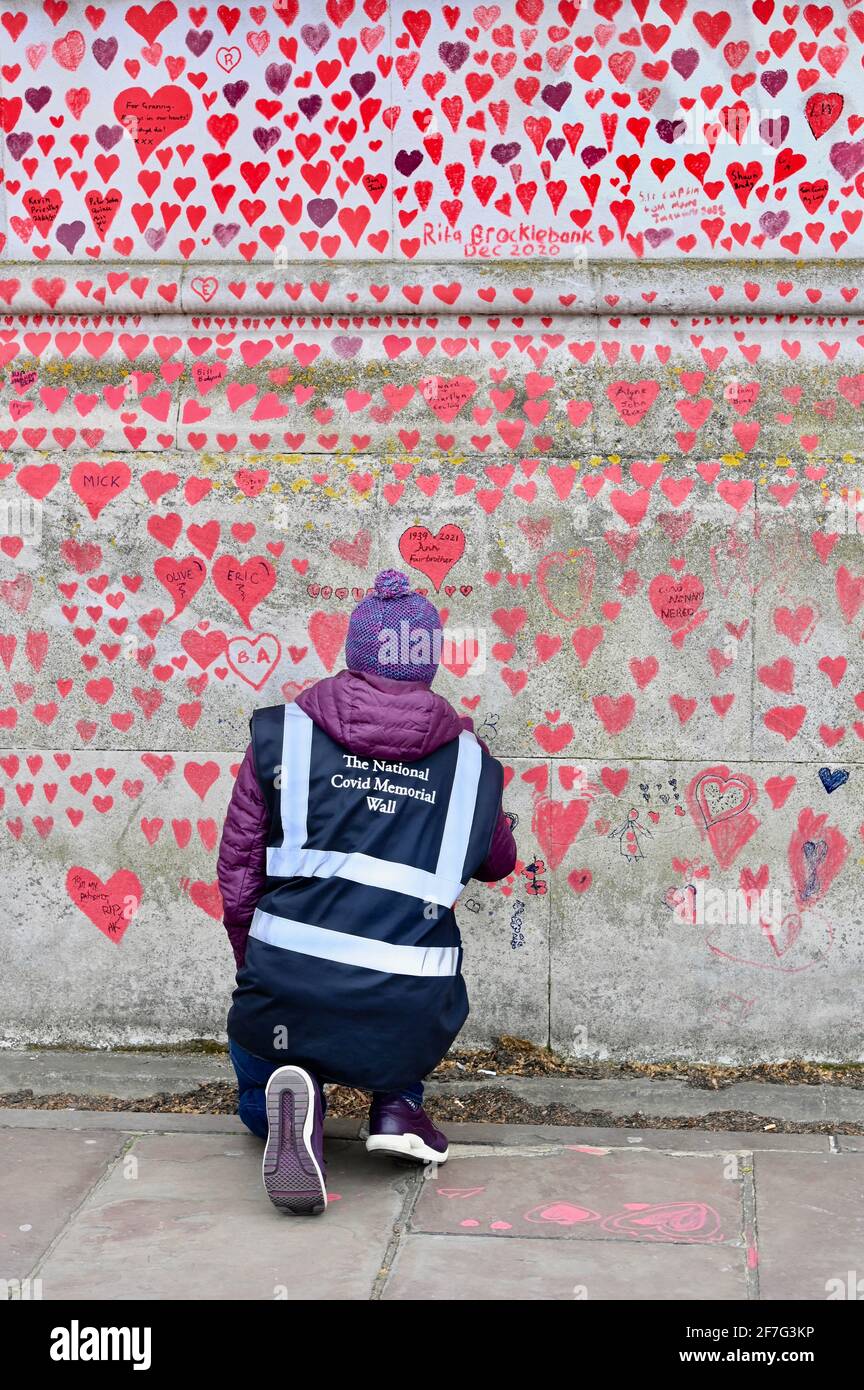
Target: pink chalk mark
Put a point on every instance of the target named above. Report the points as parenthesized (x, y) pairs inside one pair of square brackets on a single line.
[(672, 1221), (587, 1149), (469, 1222), (500, 1226), (562, 1214), (752, 1257)]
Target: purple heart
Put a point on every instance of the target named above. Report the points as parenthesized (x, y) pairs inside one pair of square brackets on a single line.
[(453, 55), (774, 130), (315, 36), (685, 61), (225, 232), (347, 347), (234, 92), (108, 135), (276, 76), (37, 97), (266, 137), (670, 131), (199, 43), (555, 147), (592, 154), (18, 144), (69, 234), (155, 237), (310, 106), (555, 94), (407, 161), (846, 158), (655, 235), (105, 51), (774, 82), (321, 210), (502, 154), (362, 82), (773, 223)]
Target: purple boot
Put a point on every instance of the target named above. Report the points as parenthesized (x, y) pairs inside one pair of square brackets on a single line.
[(293, 1168), (397, 1128)]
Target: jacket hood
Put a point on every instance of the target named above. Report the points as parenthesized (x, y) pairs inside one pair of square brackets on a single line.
[(377, 717)]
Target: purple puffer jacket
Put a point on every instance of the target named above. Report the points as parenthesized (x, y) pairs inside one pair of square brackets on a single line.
[(372, 716)]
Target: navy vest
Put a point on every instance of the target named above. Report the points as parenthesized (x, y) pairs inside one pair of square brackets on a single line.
[(353, 963)]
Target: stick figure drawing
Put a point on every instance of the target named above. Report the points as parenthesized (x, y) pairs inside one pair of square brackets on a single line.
[(629, 837)]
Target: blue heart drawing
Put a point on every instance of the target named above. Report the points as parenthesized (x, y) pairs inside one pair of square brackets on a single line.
[(831, 779)]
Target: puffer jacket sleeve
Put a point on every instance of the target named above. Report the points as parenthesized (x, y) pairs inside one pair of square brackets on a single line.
[(501, 858), (242, 865)]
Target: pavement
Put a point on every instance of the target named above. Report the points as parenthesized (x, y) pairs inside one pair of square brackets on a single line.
[(117, 1205)]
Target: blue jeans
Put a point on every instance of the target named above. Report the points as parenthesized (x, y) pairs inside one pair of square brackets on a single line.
[(253, 1073)]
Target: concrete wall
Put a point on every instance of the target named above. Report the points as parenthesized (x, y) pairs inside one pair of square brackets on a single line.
[(247, 362)]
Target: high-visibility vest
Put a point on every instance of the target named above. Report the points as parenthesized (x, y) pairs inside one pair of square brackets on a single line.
[(353, 962)]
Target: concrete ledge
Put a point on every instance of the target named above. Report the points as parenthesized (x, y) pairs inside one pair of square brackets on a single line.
[(144, 1122), (805, 1104), (137, 1076), (126, 1075), (463, 1137)]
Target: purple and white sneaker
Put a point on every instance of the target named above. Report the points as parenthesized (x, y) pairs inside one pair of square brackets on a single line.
[(403, 1130), (293, 1167)]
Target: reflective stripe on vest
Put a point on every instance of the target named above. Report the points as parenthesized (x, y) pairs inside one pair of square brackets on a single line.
[(290, 859), (365, 951)]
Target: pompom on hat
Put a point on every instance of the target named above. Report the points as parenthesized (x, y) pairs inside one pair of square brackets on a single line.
[(394, 632)]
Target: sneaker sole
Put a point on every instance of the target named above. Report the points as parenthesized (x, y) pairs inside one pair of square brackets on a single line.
[(404, 1146), (292, 1177)]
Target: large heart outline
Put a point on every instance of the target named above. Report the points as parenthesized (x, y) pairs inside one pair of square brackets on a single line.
[(585, 579)]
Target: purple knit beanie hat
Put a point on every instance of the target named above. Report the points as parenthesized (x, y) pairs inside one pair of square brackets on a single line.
[(394, 632)]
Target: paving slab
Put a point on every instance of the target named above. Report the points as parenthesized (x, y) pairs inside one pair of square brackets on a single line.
[(120, 1206), (586, 1194), (41, 1184), (189, 1219), (442, 1268), (810, 1222)]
